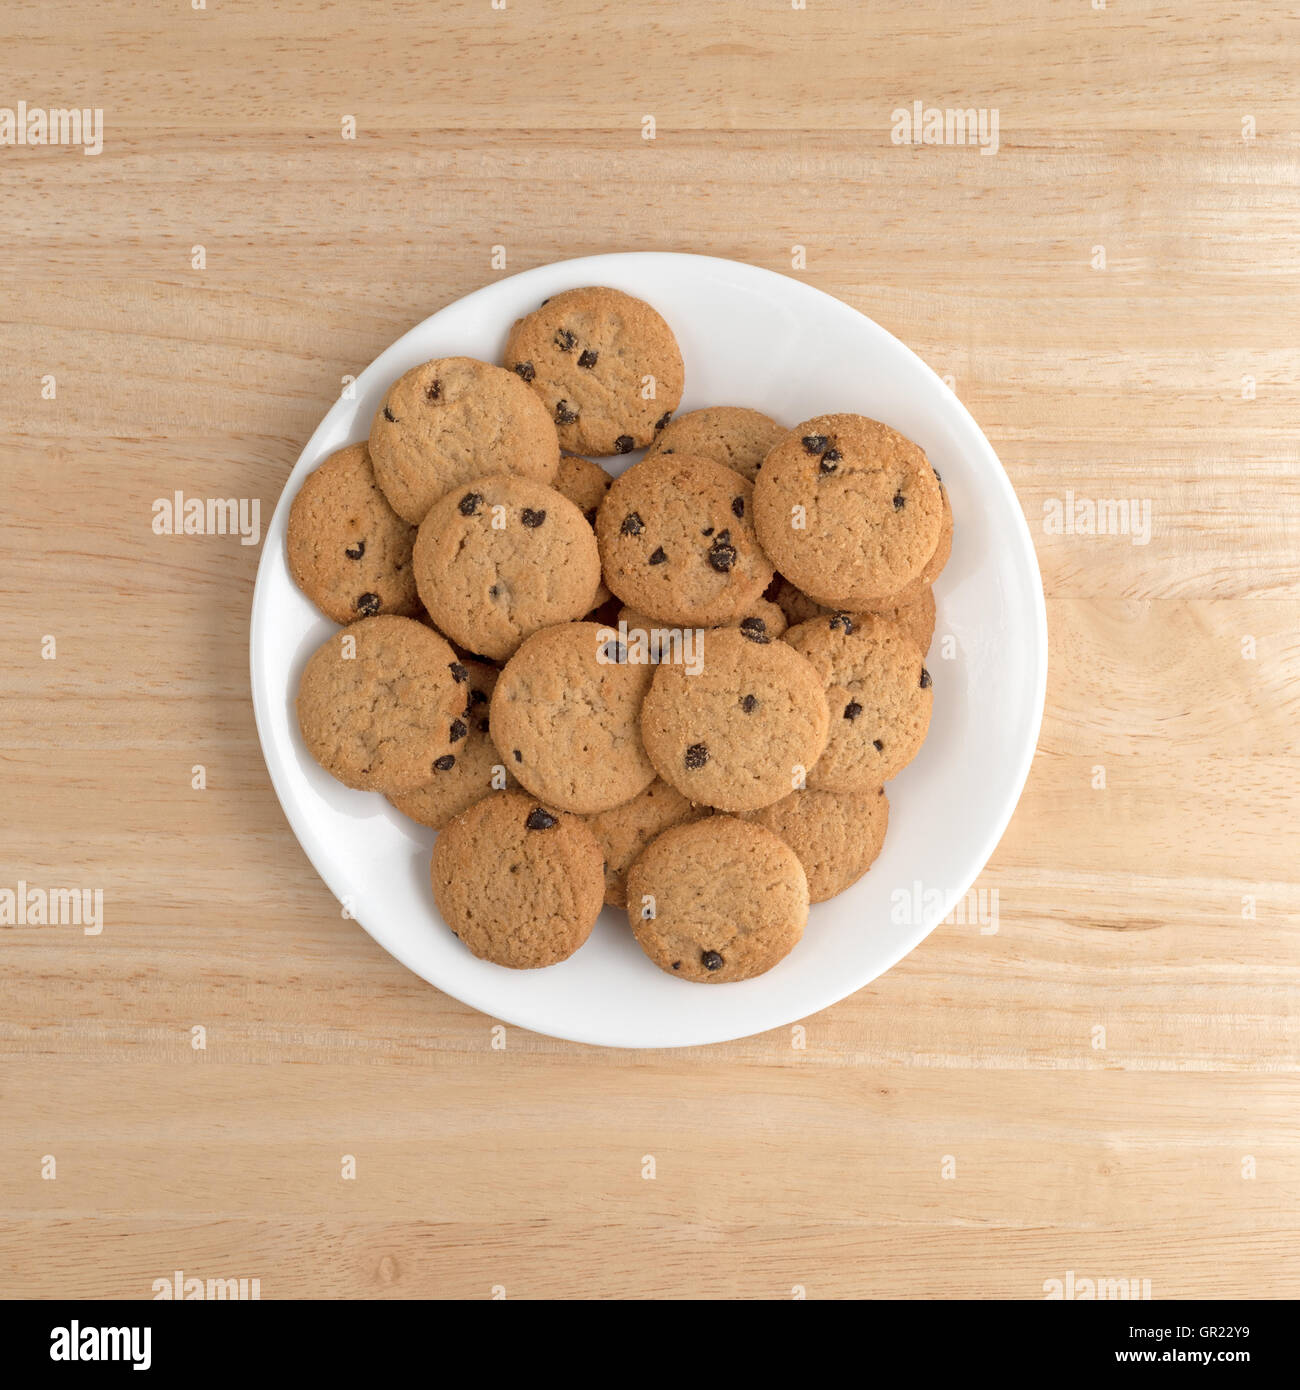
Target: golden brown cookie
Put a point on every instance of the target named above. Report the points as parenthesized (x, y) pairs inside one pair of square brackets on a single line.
[(472, 770), (451, 420), (378, 702), (732, 435), (837, 835), (741, 730), (916, 617), (348, 550), (848, 509), (677, 541), (717, 900), (879, 694), (519, 884), (566, 718), (502, 557), (761, 621), (624, 831), (606, 366), (585, 484)]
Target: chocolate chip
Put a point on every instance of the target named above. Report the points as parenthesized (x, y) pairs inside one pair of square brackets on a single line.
[(658, 557), (624, 444), (525, 370), (707, 531), (829, 461), (852, 710), (711, 960), (749, 704), (926, 682), (899, 501), (532, 519), (632, 525), (843, 622), (677, 965), (470, 503), (478, 697), (563, 415), (587, 357), (433, 391), (663, 419), (877, 745), (368, 605), (815, 443), (355, 552), (722, 556), (459, 730), (389, 416), (738, 507), (519, 757), (445, 763), (697, 755), (539, 819), (494, 591), (458, 673), (755, 629), (564, 340)]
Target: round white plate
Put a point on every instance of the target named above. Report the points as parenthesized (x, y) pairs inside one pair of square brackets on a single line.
[(748, 337)]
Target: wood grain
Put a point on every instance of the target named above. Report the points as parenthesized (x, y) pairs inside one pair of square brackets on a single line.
[(1097, 1079)]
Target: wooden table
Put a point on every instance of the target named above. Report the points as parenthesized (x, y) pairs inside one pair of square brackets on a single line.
[(1106, 1085)]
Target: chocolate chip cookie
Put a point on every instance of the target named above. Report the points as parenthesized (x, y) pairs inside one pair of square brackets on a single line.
[(677, 541), (606, 366), (378, 702), (502, 556), (717, 900), (740, 731), (837, 835), (451, 420), (565, 718), (472, 770), (348, 550), (624, 831), (848, 509), (519, 884), (879, 693), (732, 435)]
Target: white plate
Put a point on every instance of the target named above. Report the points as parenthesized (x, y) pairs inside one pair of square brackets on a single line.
[(748, 337)]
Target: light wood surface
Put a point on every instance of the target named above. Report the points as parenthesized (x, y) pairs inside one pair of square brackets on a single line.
[(777, 1168)]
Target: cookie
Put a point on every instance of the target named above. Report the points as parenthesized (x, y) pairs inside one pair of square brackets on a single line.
[(379, 703), (879, 693), (837, 835), (454, 419), (933, 567), (520, 885), (717, 900), (742, 729), (624, 831), (848, 509), (501, 557), (795, 604), (732, 435), (606, 366), (348, 550), (472, 770), (677, 541), (565, 717)]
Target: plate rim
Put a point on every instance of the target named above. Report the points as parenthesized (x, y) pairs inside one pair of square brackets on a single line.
[(905, 944)]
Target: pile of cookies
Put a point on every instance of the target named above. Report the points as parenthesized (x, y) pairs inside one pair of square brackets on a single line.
[(679, 691)]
